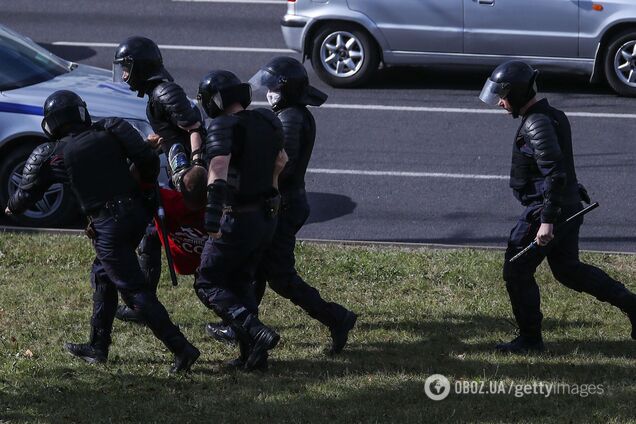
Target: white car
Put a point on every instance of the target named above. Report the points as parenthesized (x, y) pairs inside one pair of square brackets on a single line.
[(28, 75)]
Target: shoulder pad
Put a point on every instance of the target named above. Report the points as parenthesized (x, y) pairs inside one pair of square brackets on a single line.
[(34, 163), (175, 103), (223, 121), (268, 114), (167, 90), (541, 133), (292, 115), (118, 127), (220, 135)]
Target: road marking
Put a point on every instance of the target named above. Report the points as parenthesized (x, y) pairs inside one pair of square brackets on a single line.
[(388, 108), (406, 174), (180, 47), (235, 1), (353, 106)]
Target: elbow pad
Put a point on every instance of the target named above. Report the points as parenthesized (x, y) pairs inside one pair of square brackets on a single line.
[(553, 194), (217, 195)]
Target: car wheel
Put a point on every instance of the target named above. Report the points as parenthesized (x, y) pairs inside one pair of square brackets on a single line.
[(620, 63), (56, 208), (344, 55)]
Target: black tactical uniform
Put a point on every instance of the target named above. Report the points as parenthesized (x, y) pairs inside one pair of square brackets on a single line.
[(289, 94), (243, 209), (544, 180), (93, 160), (169, 111)]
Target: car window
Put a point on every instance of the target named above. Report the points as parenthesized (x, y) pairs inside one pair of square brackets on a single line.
[(23, 63)]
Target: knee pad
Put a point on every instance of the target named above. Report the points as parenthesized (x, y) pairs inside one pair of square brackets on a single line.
[(138, 299)]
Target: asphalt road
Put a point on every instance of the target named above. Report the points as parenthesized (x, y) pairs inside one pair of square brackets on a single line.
[(414, 200)]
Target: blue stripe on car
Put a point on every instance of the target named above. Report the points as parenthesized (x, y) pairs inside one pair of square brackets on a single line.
[(20, 108), (116, 87)]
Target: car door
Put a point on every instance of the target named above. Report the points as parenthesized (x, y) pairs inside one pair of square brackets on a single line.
[(416, 25), (522, 27)]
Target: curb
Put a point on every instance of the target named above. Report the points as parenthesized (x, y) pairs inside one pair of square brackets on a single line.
[(360, 243)]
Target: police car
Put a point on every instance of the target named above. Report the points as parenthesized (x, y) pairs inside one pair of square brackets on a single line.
[(28, 75)]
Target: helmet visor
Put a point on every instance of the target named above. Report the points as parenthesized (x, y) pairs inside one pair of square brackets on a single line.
[(122, 72), (493, 92), (199, 104), (265, 79)]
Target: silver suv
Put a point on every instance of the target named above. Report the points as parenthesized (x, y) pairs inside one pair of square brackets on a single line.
[(346, 40)]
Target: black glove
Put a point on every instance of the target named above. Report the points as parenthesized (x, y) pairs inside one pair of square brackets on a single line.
[(217, 193), (584, 195)]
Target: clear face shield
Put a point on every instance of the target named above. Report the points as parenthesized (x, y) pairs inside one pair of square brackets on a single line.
[(265, 80), (121, 72), (216, 106), (199, 104), (493, 92)]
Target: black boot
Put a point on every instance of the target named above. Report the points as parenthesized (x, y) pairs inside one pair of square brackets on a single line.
[(262, 339), (221, 332), (239, 363), (124, 313), (184, 360), (626, 302), (244, 350), (340, 333), (95, 351), (522, 345)]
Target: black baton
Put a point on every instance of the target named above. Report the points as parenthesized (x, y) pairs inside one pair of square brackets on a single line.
[(161, 215), (534, 244)]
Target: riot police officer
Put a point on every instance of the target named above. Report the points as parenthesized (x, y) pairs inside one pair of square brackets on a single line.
[(289, 93), (543, 179), (241, 148), (178, 127), (92, 158)]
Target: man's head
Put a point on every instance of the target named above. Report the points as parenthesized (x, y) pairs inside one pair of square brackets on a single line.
[(287, 83), (195, 188), (219, 90), (64, 111), (137, 62), (510, 86)]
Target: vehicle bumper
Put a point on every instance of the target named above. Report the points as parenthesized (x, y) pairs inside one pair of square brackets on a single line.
[(293, 28)]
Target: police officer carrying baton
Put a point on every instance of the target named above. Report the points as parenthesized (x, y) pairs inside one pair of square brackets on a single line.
[(93, 159), (543, 179)]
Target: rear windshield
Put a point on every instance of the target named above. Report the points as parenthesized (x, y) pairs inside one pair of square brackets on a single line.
[(23, 63)]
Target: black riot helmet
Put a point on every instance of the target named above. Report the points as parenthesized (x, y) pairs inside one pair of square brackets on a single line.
[(288, 76), (220, 89), (64, 110), (514, 81), (137, 62)]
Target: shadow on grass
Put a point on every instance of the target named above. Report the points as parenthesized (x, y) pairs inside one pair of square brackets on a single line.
[(375, 379)]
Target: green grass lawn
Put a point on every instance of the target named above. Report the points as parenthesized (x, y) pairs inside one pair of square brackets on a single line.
[(421, 312)]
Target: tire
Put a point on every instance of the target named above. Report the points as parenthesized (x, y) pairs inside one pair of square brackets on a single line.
[(365, 62), (619, 79), (58, 206)]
